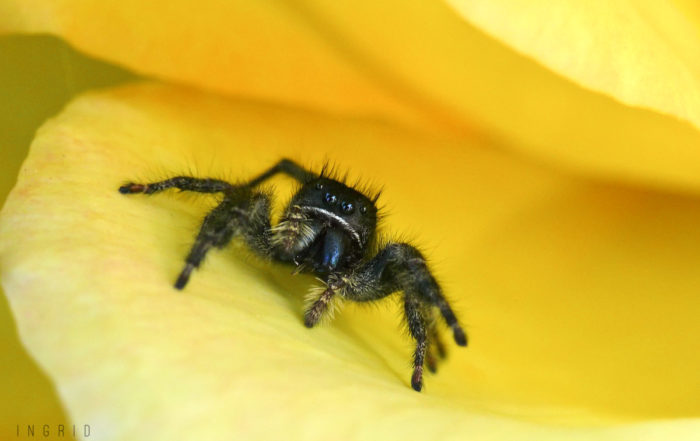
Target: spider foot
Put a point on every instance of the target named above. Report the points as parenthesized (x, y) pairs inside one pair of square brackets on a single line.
[(184, 276), (132, 188), (417, 378), (459, 335)]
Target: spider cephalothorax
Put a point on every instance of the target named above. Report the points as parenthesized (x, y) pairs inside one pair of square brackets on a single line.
[(328, 229)]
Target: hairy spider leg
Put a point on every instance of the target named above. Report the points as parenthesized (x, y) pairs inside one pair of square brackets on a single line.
[(184, 183), (242, 213), (401, 267), (286, 166), (415, 318), (208, 185)]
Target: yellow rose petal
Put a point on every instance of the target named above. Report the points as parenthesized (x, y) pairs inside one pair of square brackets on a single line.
[(645, 53), (422, 64), (580, 298), (34, 85), (239, 47), (512, 100)]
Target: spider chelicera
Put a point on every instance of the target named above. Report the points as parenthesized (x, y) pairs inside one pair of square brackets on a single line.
[(328, 229)]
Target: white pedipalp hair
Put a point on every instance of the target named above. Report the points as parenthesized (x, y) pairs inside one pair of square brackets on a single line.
[(294, 231)]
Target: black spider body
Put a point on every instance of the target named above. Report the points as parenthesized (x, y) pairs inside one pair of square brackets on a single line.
[(328, 229)]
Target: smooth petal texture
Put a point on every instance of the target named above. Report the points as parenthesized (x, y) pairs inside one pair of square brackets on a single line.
[(27, 394), (422, 64), (645, 53), (37, 77), (580, 298), (239, 47)]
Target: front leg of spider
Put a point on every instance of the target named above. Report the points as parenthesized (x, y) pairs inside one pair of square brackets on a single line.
[(242, 212), (400, 267), (327, 229)]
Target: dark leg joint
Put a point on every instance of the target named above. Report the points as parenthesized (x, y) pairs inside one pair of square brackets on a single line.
[(184, 276), (132, 188), (418, 359), (417, 379), (459, 335)]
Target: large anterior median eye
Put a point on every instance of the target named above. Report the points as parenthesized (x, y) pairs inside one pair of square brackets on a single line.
[(347, 207), (330, 199)]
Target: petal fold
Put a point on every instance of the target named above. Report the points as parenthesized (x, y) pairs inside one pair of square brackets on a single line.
[(422, 64), (642, 52)]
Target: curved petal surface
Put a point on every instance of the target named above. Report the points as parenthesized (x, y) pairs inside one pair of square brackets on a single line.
[(580, 298), (423, 65)]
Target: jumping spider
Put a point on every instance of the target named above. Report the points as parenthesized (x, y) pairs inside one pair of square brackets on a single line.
[(329, 230)]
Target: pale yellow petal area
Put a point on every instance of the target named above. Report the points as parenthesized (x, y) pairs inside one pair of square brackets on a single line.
[(580, 298), (422, 64), (37, 77), (28, 397), (645, 53)]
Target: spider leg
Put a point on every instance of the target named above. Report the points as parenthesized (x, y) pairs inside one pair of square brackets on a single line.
[(241, 212), (401, 267), (184, 183), (415, 317), (208, 185)]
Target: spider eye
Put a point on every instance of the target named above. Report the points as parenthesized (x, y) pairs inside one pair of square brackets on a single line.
[(347, 207), (319, 186), (363, 209), (331, 199)]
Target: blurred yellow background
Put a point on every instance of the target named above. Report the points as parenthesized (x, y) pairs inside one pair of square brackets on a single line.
[(38, 76)]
